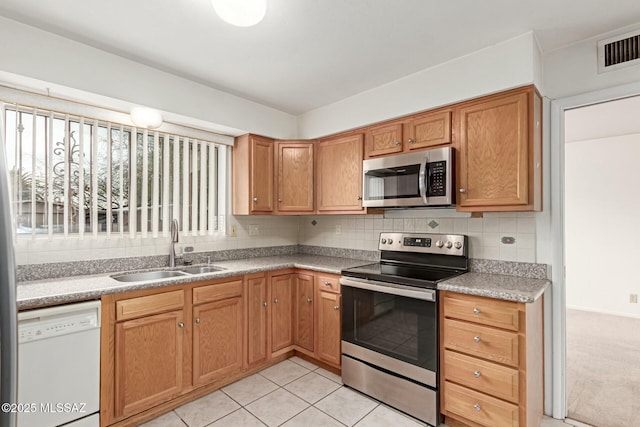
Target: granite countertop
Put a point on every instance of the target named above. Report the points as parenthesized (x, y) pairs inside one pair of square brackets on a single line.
[(509, 288), (57, 291)]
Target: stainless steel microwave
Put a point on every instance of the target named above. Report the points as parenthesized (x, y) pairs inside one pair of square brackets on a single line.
[(423, 178)]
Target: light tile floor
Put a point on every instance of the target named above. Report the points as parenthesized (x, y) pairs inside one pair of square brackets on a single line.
[(293, 393)]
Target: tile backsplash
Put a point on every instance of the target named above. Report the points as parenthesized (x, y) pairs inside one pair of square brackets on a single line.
[(485, 234), (358, 232)]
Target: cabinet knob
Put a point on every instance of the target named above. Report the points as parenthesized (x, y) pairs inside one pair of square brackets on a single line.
[(264, 303), (197, 320), (309, 300), (410, 141), (275, 300), (476, 339), (180, 325), (255, 200), (477, 407), (477, 374), (359, 197), (336, 307), (398, 143), (327, 283), (279, 200), (462, 190), (476, 311)]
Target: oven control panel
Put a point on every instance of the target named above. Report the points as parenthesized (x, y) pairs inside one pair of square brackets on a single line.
[(446, 244)]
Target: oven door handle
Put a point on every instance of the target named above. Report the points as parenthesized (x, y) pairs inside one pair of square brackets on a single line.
[(422, 180), (389, 288)]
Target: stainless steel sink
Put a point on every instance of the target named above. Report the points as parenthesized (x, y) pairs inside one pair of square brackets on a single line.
[(147, 275), (201, 270)]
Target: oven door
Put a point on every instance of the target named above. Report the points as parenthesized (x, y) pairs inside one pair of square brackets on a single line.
[(392, 327)]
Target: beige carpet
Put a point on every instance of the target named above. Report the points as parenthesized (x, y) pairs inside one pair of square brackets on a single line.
[(603, 369)]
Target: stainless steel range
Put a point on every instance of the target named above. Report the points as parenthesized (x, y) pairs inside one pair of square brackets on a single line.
[(390, 320)]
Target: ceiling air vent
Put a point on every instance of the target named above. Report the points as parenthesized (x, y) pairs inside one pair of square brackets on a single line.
[(619, 52)]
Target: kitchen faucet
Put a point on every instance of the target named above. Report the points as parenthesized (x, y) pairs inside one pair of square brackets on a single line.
[(174, 240)]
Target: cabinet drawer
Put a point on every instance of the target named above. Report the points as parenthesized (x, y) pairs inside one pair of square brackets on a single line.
[(490, 378), (479, 408), (217, 292), (329, 284), (501, 314), (482, 341), (151, 304)]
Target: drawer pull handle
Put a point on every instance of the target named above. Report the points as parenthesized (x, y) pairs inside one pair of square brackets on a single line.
[(477, 407), (477, 374), (476, 339), (327, 283), (476, 311)]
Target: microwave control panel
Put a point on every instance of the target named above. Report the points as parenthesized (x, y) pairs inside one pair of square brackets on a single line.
[(437, 179)]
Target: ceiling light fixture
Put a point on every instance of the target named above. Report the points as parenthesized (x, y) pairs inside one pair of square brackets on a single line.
[(243, 13), (146, 117)]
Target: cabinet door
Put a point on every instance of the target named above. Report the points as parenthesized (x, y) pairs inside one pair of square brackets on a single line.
[(494, 152), (281, 311), (303, 319), (429, 129), (256, 300), (339, 182), (329, 328), (294, 164), (382, 140), (261, 171), (148, 361), (217, 340)]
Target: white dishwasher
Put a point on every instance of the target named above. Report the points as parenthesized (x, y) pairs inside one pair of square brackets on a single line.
[(59, 366)]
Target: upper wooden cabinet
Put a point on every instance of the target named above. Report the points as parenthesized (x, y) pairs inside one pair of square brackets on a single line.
[(294, 163), (500, 152), (252, 180), (416, 132), (339, 180)]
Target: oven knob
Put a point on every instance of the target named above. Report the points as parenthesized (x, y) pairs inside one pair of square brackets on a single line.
[(390, 241), (439, 243), (384, 241), (458, 245), (449, 244)]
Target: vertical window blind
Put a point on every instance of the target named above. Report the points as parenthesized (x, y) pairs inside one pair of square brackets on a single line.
[(77, 176)]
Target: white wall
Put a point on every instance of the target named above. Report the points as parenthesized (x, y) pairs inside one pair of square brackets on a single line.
[(602, 224), (509, 64), (485, 234), (574, 69), (37, 54)]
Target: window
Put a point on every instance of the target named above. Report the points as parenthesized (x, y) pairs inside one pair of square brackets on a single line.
[(73, 175)]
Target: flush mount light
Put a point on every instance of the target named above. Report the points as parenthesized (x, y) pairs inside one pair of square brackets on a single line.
[(146, 117), (243, 13)]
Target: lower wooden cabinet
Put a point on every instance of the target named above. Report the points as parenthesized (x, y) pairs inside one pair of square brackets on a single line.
[(217, 339), (148, 361), (281, 311), (491, 353), (303, 322), (257, 315), (164, 346)]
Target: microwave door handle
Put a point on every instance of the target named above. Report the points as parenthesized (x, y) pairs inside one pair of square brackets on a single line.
[(422, 180)]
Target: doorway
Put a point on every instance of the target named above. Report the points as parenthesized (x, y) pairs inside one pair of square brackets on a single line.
[(601, 231)]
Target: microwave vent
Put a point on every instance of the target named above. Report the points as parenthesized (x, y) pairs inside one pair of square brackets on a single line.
[(619, 52)]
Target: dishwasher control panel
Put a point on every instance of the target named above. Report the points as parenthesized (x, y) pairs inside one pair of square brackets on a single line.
[(54, 323)]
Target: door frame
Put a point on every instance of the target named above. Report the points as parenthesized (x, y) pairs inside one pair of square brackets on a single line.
[(558, 290)]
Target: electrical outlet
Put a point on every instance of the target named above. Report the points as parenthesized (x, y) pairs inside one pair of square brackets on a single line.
[(254, 230), (233, 231), (633, 298), (338, 229)]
